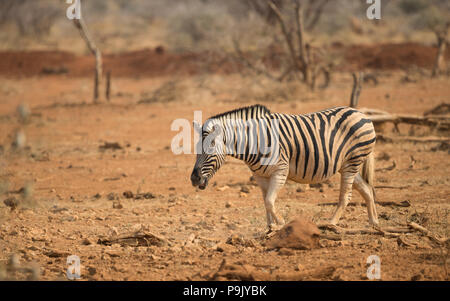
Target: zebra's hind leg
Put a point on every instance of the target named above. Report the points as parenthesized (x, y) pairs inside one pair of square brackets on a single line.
[(345, 195), (368, 193)]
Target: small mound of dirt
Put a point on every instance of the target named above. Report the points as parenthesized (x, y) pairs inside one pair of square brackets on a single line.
[(300, 233)]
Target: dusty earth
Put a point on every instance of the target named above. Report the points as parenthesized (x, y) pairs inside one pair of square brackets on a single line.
[(72, 193)]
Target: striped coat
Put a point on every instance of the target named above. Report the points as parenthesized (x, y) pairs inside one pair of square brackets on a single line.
[(308, 148)]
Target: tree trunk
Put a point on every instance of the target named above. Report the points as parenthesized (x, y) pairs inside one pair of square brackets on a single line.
[(79, 23)]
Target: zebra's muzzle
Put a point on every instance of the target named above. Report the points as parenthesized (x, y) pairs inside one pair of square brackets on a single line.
[(198, 180), (203, 183)]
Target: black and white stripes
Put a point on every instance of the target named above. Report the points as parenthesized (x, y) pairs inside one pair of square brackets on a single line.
[(306, 148)]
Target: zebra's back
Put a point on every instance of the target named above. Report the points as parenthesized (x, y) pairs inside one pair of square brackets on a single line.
[(318, 145)]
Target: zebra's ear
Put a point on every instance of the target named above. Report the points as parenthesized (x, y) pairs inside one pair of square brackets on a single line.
[(196, 124)]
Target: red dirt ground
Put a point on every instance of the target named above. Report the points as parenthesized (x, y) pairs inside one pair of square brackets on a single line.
[(156, 62), (77, 188)]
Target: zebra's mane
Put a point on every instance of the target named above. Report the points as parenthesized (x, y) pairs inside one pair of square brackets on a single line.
[(260, 109)]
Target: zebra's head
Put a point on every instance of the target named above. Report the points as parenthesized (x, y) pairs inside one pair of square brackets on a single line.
[(210, 153)]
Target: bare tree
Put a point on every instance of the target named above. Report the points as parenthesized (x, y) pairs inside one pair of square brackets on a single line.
[(293, 31), (441, 36), (313, 10), (30, 17), (81, 25)]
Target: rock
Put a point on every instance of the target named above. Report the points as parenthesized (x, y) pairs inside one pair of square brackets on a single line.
[(128, 194), (86, 242), (237, 240), (223, 188), (92, 271), (303, 187), (224, 248), (113, 231), (300, 233), (228, 205), (245, 189), (11, 202), (340, 275), (112, 196), (285, 252), (117, 205)]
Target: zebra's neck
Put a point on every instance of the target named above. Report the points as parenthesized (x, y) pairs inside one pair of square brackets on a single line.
[(237, 126)]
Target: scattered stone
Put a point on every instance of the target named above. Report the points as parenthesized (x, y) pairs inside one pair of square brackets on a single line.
[(245, 189), (223, 188), (110, 145), (237, 240), (228, 205), (302, 187), (86, 242), (146, 195), (113, 196), (117, 205), (11, 202), (317, 185), (285, 252), (340, 275), (224, 248), (56, 253), (128, 194), (92, 271), (231, 226)]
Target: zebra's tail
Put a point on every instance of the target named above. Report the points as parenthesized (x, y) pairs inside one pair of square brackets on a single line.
[(368, 170)]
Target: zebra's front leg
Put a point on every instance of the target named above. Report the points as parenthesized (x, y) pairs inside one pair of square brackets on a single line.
[(263, 183), (345, 195), (270, 187)]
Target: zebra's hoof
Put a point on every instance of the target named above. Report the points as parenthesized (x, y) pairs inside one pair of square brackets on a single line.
[(275, 227)]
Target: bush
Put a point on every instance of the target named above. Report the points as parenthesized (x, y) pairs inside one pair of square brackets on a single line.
[(413, 6)]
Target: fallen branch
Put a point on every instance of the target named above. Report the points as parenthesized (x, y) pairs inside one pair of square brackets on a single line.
[(440, 122), (388, 231), (441, 109), (428, 139), (330, 237), (427, 233), (381, 203), (392, 187)]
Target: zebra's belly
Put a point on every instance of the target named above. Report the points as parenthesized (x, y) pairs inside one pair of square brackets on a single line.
[(307, 178)]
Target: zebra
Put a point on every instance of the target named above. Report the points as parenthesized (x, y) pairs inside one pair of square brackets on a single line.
[(310, 148)]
